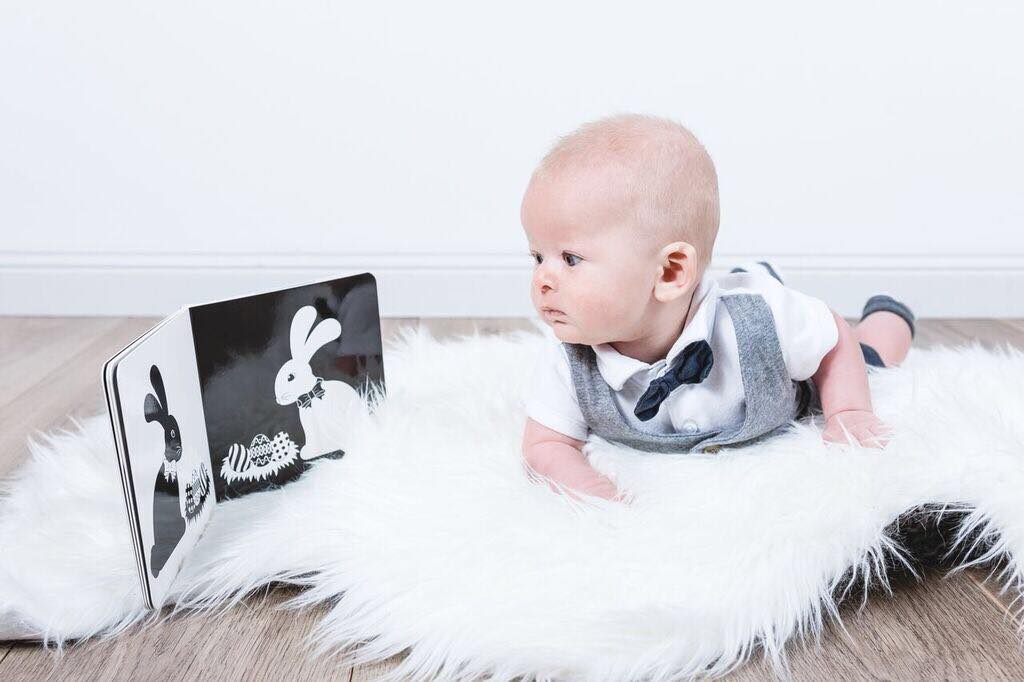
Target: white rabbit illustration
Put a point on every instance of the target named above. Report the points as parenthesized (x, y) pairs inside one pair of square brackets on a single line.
[(325, 407)]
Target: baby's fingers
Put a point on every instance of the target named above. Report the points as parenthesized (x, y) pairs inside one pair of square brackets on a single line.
[(874, 436), (837, 435), (866, 435)]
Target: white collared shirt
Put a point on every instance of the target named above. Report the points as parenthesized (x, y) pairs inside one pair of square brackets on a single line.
[(804, 324)]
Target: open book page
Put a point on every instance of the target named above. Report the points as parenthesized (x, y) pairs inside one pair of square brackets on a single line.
[(113, 410), (163, 450), (283, 376)]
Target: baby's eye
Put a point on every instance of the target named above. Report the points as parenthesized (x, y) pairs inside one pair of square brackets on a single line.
[(566, 256)]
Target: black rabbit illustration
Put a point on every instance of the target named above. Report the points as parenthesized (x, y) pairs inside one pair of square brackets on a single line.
[(168, 523)]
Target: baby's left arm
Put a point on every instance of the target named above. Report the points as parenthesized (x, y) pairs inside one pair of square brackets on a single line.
[(842, 382)]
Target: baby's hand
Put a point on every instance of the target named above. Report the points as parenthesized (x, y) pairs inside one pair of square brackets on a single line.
[(623, 497), (862, 425), (605, 490)]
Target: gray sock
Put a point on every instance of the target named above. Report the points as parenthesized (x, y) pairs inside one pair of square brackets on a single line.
[(886, 302)]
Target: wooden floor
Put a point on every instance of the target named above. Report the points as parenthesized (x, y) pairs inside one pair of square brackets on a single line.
[(958, 628)]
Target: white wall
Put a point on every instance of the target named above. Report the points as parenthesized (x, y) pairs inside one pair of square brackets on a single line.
[(153, 155)]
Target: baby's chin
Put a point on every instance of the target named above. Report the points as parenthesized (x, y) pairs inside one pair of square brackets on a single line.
[(567, 333)]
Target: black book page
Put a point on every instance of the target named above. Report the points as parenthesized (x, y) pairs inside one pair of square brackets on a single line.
[(277, 377)]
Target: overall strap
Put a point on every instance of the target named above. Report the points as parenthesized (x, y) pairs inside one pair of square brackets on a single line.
[(769, 392), (772, 398), (602, 414)]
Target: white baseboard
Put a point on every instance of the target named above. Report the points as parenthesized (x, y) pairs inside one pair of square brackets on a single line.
[(468, 285)]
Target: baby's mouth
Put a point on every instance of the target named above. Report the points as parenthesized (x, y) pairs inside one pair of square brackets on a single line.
[(552, 314)]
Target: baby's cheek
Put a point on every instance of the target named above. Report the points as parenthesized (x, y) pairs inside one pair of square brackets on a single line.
[(534, 298), (599, 309)]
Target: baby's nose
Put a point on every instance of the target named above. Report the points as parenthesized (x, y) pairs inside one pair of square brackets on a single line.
[(542, 280)]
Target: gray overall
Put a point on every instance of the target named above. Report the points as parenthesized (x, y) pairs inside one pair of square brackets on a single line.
[(772, 399)]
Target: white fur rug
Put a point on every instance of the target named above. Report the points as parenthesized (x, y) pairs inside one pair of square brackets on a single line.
[(429, 535)]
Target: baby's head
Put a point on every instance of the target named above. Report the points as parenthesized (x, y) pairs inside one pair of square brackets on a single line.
[(621, 218)]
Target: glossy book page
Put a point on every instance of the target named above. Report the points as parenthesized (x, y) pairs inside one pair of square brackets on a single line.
[(279, 372), (165, 466)]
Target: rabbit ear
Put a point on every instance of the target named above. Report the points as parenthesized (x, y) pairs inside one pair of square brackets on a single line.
[(158, 385), (325, 332), (302, 322), (152, 410)]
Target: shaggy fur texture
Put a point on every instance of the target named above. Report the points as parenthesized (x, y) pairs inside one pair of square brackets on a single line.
[(430, 536)]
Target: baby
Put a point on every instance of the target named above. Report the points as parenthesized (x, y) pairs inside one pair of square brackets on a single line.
[(621, 218)]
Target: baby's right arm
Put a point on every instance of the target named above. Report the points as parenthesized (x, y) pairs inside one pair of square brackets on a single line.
[(560, 458)]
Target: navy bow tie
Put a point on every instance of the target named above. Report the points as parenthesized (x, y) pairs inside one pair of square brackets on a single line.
[(306, 399), (691, 366)]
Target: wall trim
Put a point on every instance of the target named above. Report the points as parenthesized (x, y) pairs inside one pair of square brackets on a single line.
[(468, 284)]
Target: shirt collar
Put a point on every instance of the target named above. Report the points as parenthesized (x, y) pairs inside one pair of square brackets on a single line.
[(617, 368)]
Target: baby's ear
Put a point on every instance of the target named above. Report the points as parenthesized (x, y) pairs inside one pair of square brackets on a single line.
[(678, 271)]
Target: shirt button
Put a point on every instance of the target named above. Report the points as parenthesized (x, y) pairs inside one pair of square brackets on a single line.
[(690, 426)]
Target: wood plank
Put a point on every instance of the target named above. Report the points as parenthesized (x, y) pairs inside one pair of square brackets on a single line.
[(389, 326), (936, 629), (17, 330), (70, 388), (989, 333), (1014, 329), (956, 633), (1015, 323), (1010, 602), (375, 671), (30, 344), (255, 641), (930, 333)]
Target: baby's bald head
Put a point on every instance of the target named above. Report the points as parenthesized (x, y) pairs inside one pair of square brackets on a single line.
[(659, 174)]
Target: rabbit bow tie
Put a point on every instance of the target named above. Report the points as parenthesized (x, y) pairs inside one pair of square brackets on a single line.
[(306, 399), (691, 366)]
